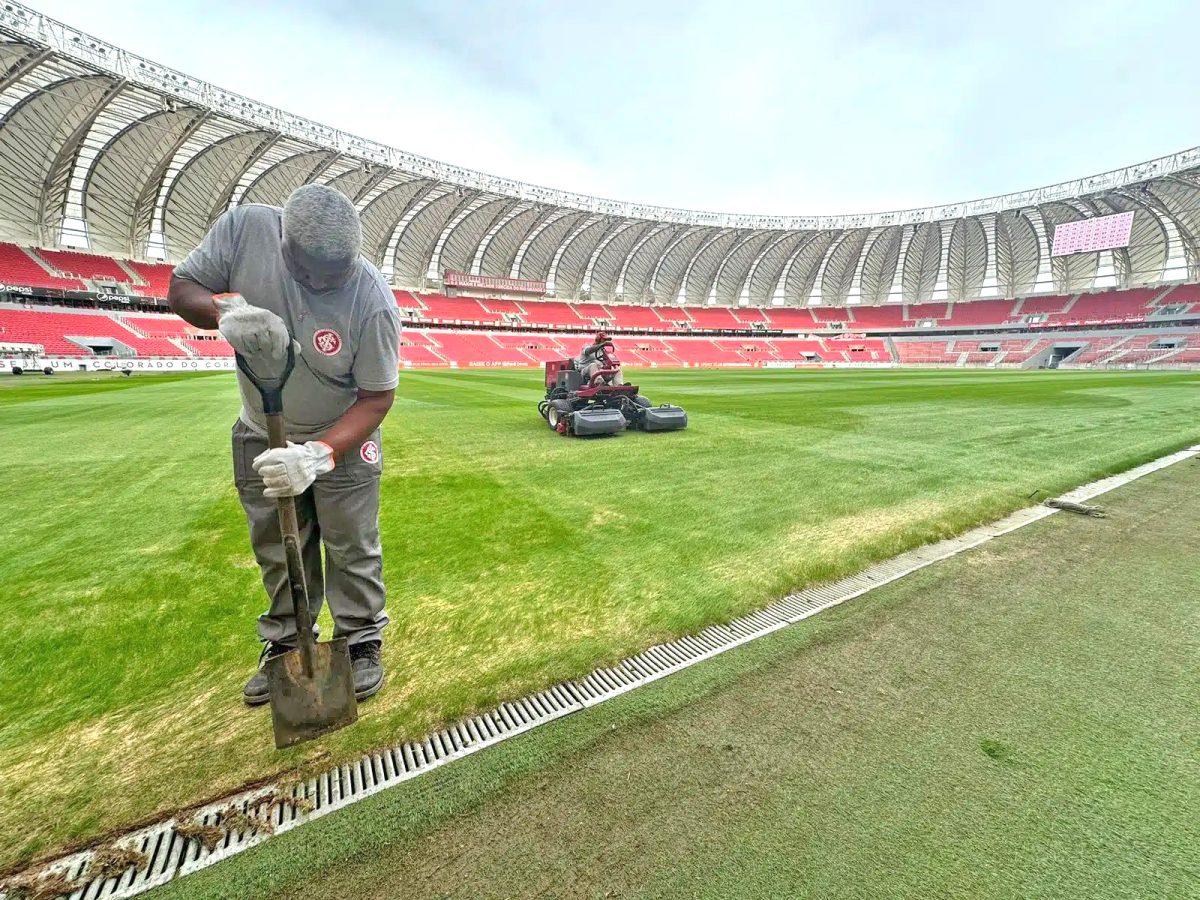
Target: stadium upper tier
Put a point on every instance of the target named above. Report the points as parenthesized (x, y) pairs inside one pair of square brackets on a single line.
[(103, 149)]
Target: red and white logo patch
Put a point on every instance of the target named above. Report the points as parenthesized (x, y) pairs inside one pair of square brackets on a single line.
[(327, 342), (369, 452)]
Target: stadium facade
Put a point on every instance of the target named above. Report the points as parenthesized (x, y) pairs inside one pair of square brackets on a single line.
[(103, 150)]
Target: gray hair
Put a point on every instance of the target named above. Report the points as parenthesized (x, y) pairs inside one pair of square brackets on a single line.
[(322, 222)]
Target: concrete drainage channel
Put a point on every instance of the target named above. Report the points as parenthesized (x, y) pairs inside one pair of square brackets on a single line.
[(176, 847)]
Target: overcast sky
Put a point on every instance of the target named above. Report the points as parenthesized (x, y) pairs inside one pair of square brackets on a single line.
[(750, 106)]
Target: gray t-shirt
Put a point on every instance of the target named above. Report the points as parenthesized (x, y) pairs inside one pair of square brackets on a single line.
[(349, 338)]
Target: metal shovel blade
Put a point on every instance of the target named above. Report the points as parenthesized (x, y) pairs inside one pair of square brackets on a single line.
[(304, 707)]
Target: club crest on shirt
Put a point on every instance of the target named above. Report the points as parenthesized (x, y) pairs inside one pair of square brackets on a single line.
[(327, 342), (369, 452)]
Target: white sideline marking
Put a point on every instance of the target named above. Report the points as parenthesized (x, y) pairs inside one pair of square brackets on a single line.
[(172, 857)]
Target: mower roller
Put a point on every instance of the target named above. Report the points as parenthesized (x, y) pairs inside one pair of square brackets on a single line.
[(311, 687), (586, 404)]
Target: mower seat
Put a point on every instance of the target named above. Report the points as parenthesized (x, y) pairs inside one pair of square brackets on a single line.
[(570, 379)]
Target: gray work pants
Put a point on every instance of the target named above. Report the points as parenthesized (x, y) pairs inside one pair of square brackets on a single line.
[(340, 510)]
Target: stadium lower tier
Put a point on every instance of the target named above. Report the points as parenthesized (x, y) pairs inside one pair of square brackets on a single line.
[(71, 273), (84, 334)]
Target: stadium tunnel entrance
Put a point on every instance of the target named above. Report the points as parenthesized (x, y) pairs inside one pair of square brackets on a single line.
[(1060, 352)]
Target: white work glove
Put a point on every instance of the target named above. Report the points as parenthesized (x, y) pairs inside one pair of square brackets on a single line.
[(257, 334), (288, 471)]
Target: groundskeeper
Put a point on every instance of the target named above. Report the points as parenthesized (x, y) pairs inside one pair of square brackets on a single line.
[(295, 275), (591, 360)]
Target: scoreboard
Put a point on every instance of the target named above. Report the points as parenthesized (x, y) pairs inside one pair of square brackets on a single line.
[(1089, 235)]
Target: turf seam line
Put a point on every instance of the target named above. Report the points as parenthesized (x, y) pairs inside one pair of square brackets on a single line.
[(170, 855)]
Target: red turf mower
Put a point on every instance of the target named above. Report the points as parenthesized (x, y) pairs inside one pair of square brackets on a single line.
[(584, 404)]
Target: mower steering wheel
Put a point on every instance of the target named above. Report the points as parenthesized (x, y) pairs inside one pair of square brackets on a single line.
[(606, 356)]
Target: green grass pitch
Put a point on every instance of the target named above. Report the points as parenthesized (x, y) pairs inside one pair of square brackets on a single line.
[(514, 557), (988, 727)]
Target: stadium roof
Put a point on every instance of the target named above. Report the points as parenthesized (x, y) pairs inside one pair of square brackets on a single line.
[(104, 149)]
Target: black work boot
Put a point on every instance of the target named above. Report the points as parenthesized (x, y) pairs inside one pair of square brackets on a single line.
[(257, 691), (367, 666)]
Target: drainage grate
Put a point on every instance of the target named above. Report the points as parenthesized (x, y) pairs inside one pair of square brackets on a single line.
[(170, 855)]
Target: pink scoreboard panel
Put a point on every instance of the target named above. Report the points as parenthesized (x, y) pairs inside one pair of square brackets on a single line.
[(1088, 235)]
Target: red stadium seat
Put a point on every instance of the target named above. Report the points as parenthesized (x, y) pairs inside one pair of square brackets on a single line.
[(161, 325), (439, 308), (889, 316), (715, 318), (791, 319), (156, 275), (1042, 305), (592, 312), (979, 312), (1108, 307), (748, 315), (697, 352), (85, 265), (209, 348), (640, 318), (502, 306), (52, 329), (19, 268), (915, 312), (553, 314), (830, 313)]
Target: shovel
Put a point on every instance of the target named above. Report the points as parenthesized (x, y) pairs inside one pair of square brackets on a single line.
[(312, 688)]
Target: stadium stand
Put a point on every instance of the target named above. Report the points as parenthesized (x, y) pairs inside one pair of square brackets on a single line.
[(408, 304), (1108, 307), (858, 350), (551, 314), (1020, 351), (651, 352), (156, 275), (917, 312), (159, 326), (594, 313), (158, 335), (1141, 349), (921, 353), (209, 348), (85, 265), (979, 312), (677, 317), (1097, 349), (636, 318), (753, 352), (439, 308), (750, 316), (879, 318), (716, 317), (1190, 355), (799, 350), (53, 330), (418, 349), (466, 348), (1183, 294), (702, 352), (791, 319), (830, 313), (539, 348), (1055, 303), (19, 268), (504, 307)]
